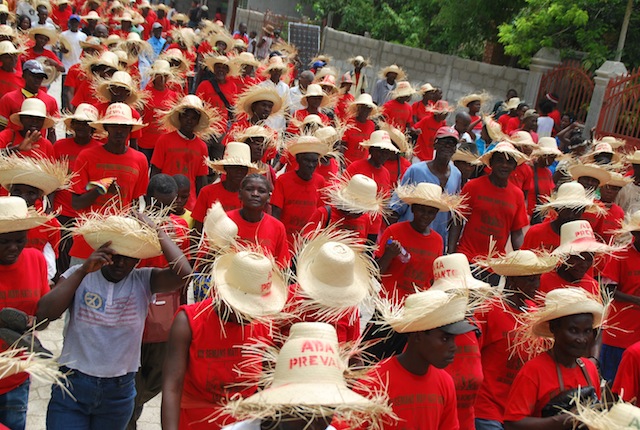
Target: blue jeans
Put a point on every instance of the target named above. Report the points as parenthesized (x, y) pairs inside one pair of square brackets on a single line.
[(488, 424), (610, 357), (100, 404), (13, 407)]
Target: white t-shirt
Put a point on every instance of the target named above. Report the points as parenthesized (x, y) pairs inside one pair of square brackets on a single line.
[(545, 126), (73, 56)]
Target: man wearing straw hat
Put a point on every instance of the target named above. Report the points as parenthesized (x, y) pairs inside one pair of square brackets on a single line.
[(430, 95), (27, 141), (219, 91), (397, 110), (386, 84), (42, 37), (360, 81), (275, 69), (92, 67), (592, 177), (9, 79), (434, 118), (313, 101), (380, 149), (360, 125)]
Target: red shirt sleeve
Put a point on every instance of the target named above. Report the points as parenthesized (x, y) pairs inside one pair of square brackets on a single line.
[(627, 382)]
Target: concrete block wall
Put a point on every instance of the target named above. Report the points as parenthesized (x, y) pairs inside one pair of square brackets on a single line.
[(253, 19)]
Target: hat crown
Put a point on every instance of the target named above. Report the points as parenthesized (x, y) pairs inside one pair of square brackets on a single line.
[(237, 151), (312, 119), (327, 134), (121, 77), (118, 111), (522, 137), (109, 58), (523, 257), (86, 112), (219, 229), (441, 106), (310, 354), (576, 230), (246, 56), (314, 90), (429, 190), (346, 78), (571, 191), (451, 267), (564, 296), (364, 99), (251, 273), (7, 47), (33, 107), (328, 80), (547, 143), (426, 88), (334, 264), (624, 416), (603, 147), (13, 208), (379, 137), (161, 66), (426, 310), (403, 85), (193, 101), (361, 187)]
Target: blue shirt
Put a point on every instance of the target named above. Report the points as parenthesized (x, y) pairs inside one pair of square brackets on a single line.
[(418, 173), (157, 44)]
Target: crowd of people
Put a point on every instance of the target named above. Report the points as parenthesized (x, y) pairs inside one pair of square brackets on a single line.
[(274, 245)]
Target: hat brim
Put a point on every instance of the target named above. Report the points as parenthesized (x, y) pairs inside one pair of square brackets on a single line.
[(338, 198), (600, 174), (22, 224), (272, 96), (99, 125), (459, 327), (384, 145), (128, 246), (40, 180), (321, 149), (299, 395), (219, 165), (583, 245), (415, 200), (515, 154), (513, 269), (325, 99), (15, 118), (51, 34), (541, 326)]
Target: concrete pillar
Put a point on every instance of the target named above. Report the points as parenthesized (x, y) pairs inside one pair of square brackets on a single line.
[(544, 60), (606, 72)]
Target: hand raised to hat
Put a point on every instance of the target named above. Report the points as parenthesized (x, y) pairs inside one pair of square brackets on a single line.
[(144, 218), (28, 143), (99, 258)]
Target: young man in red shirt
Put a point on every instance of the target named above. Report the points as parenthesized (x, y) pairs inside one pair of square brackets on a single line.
[(397, 111), (430, 95), (91, 68), (313, 100), (10, 79), (42, 36), (615, 215), (24, 138), (359, 128), (380, 149), (219, 91), (434, 118)]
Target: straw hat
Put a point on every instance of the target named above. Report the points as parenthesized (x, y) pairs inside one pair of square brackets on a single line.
[(441, 106), (466, 100), (504, 148), (591, 170), (41, 173), (7, 31), (466, 156), (428, 194), (275, 63), (601, 148), (426, 88), (33, 107), (211, 60), (620, 416), (92, 42), (427, 310), (346, 79), (235, 154), (393, 69), (51, 72), (312, 119), (92, 15), (328, 84), (208, 115), (129, 236), (243, 59), (112, 39), (315, 90), (380, 139), (563, 302), (328, 135), (366, 100), (222, 36), (453, 269), (617, 180), (634, 158), (160, 67), (253, 132), (249, 283), (127, 16), (398, 138), (546, 146), (84, 113), (520, 263), (16, 216), (577, 237), (6, 47), (403, 89), (174, 54), (134, 41), (303, 144), (358, 194), (308, 380), (219, 230), (324, 72), (358, 59), (512, 103), (522, 138), (119, 79), (258, 93), (614, 142), (106, 58), (494, 129), (118, 113), (51, 34), (571, 195), (180, 17), (630, 223)]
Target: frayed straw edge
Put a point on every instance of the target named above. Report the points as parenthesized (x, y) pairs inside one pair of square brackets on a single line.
[(59, 169), (454, 202)]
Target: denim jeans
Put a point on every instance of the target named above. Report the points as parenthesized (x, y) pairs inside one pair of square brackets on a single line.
[(610, 357), (13, 407), (488, 424), (100, 403)]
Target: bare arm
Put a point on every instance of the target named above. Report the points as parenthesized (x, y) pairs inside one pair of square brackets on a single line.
[(173, 371), (558, 422), (82, 201), (517, 237), (391, 250), (454, 236)]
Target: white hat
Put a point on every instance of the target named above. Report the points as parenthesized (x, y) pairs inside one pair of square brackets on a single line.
[(314, 90), (522, 138), (591, 170), (520, 263), (258, 93), (358, 194), (504, 148), (219, 230), (570, 195), (577, 237), (41, 173), (6, 47), (613, 141), (84, 112), (563, 302), (546, 146), (16, 216), (453, 270), (512, 103), (399, 139), (380, 139), (365, 99), (633, 158), (428, 194), (235, 154), (303, 143), (208, 115), (601, 148), (119, 79), (33, 107), (618, 180), (119, 114), (403, 89)]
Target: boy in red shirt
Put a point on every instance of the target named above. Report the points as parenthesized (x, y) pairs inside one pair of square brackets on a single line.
[(627, 382), (398, 163), (397, 111), (24, 138), (430, 95), (359, 128), (10, 79), (541, 184), (219, 91), (380, 149), (434, 118)]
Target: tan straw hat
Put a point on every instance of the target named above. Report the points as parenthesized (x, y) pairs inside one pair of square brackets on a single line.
[(303, 144), (7, 31), (613, 141), (160, 67), (249, 283), (428, 194), (258, 93), (224, 37), (51, 34), (358, 194), (522, 138), (235, 154), (426, 88), (466, 100), (466, 156), (211, 60), (380, 139), (219, 230), (366, 100), (174, 54), (241, 60), (92, 42), (180, 17), (453, 269), (598, 416), (253, 132), (441, 106), (520, 263), (33, 107), (577, 237), (119, 79), (393, 69), (398, 138), (328, 135), (618, 180), (92, 15), (546, 146), (494, 129), (563, 302), (6, 47), (16, 216), (41, 173), (275, 63), (84, 113), (358, 59), (630, 223), (112, 39), (208, 115), (601, 148), (633, 158), (328, 84), (512, 103), (403, 89), (504, 148), (106, 59), (118, 113), (314, 90), (591, 170), (571, 195)]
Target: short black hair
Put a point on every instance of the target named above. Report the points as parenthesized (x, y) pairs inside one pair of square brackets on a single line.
[(182, 181), (161, 184), (257, 176)]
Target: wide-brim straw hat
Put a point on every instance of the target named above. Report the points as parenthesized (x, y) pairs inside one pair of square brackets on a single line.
[(633, 158), (33, 107), (441, 106), (613, 141), (307, 144), (546, 146), (176, 54), (570, 195), (591, 170), (112, 39), (211, 60), (631, 222), (128, 236), (366, 100), (426, 88), (520, 263), (249, 283), (51, 34), (358, 59), (399, 139), (522, 138), (453, 270), (124, 57), (494, 129), (235, 154), (106, 58), (51, 72), (41, 173), (208, 115), (512, 103), (219, 230), (564, 302), (132, 18), (327, 83), (601, 148), (222, 37), (160, 67), (258, 93), (475, 97), (466, 156), (16, 216), (380, 139), (577, 237), (358, 194), (92, 42), (393, 69), (84, 113), (256, 131), (618, 180), (403, 89), (118, 114), (92, 15), (274, 63), (315, 90), (596, 416), (503, 148), (428, 194), (180, 17), (6, 47), (242, 59), (118, 79)]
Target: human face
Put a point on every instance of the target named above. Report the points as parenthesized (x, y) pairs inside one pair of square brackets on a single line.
[(262, 109), (546, 160), (189, 119), (603, 158), (577, 266), (73, 25), (102, 31), (8, 62), (566, 215), (275, 75), (220, 71), (364, 111), (588, 182), (181, 199), (43, 14), (392, 76), (379, 156), (119, 94), (30, 194), (254, 194), (32, 81), (120, 268), (564, 122), (235, 174), (307, 164), (608, 193), (317, 423), (257, 148), (159, 81), (437, 347), (502, 165), (41, 40), (221, 47), (157, 32), (466, 169), (527, 285), (82, 129), (445, 148), (573, 335), (118, 133), (474, 107), (403, 99), (423, 216), (31, 123), (314, 102), (11, 245), (511, 94), (25, 23)]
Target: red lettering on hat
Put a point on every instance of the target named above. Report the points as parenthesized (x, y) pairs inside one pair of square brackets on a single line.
[(265, 288)]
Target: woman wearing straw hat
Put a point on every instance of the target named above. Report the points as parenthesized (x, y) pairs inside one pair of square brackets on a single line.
[(499, 322), (389, 76), (9, 79), (546, 383), (430, 95), (359, 128), (28, 141), (219, 91)]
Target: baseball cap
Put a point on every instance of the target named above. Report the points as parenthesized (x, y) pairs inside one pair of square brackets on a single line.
[(446, 131), (156, 25), (319, 64), (34, 67), (76, 17), (459, 327)]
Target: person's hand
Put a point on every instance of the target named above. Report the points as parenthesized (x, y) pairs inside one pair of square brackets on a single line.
[(50, 62), (29, 141), (393, 248), (144, 218), (63, 50), (102, 256)]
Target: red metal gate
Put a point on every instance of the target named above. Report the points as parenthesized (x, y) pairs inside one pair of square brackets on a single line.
[(620, 114), (572, 84)]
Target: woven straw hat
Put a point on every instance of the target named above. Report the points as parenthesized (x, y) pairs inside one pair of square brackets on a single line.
[(243, 59), (16, 216), (249, 283), (398, 138), (614, 142), (365, 99), (180, 17), (222, 36), (546, 146), (258, 93), (403, 89), (328, 135), (522, 138), (118, 113), (358, 59), (235, 154), (521, 263), (569, 195), (302, 144), (84, 113), (92, 42), (51, 34), (51, 72), (512, 103), (380, 139), (119, 79), (176, 54), (128, 236), (591, 170), (312, 119), (630, 223), (634, 158), (577, 237), (33, 107), (112, 39), (41, 173), (393, 69), (346, 79), (220, 231), (275, 63), (208, 115), (160, 67), (453, 269), (324, 72), (601, 148), (494, 129), (6, 47), (328, 84), (92, 15), (441, 106), (256, 131), (428, 194), (617, 180), (426, 88), (482, 98), (134, 20), (563, 302), (620, 416), (106, 58), (358, 194), (504, 148), (314, 90), (466, 156), (211, 60)]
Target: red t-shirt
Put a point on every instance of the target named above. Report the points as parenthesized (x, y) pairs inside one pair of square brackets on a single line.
[(541, 236), (298, 200), (209, 195), (157, 102), (498, 324), (424, 144), (522, 176), (503, 120), (627, 382), (398, 114), (11, 103), (328, 171), (68, 149), (595, 220), (537, 383), (38, 237), (362, 225), (206, 92), (74, 76), (512, 124), (397, 168), (214, 355), (419, 110), (30, 54), (612, 221), (84, 93), (623, 269), (21, 286), (552, 281), (356, 133), (493, 211), (174, 154), (10, 81), (418, 271), (269, 233), (379, 174), (243, 83), (42, 148), (545, 187), (420, 401)]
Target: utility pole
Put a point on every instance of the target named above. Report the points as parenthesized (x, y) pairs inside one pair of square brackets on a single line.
[(623, 30)]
